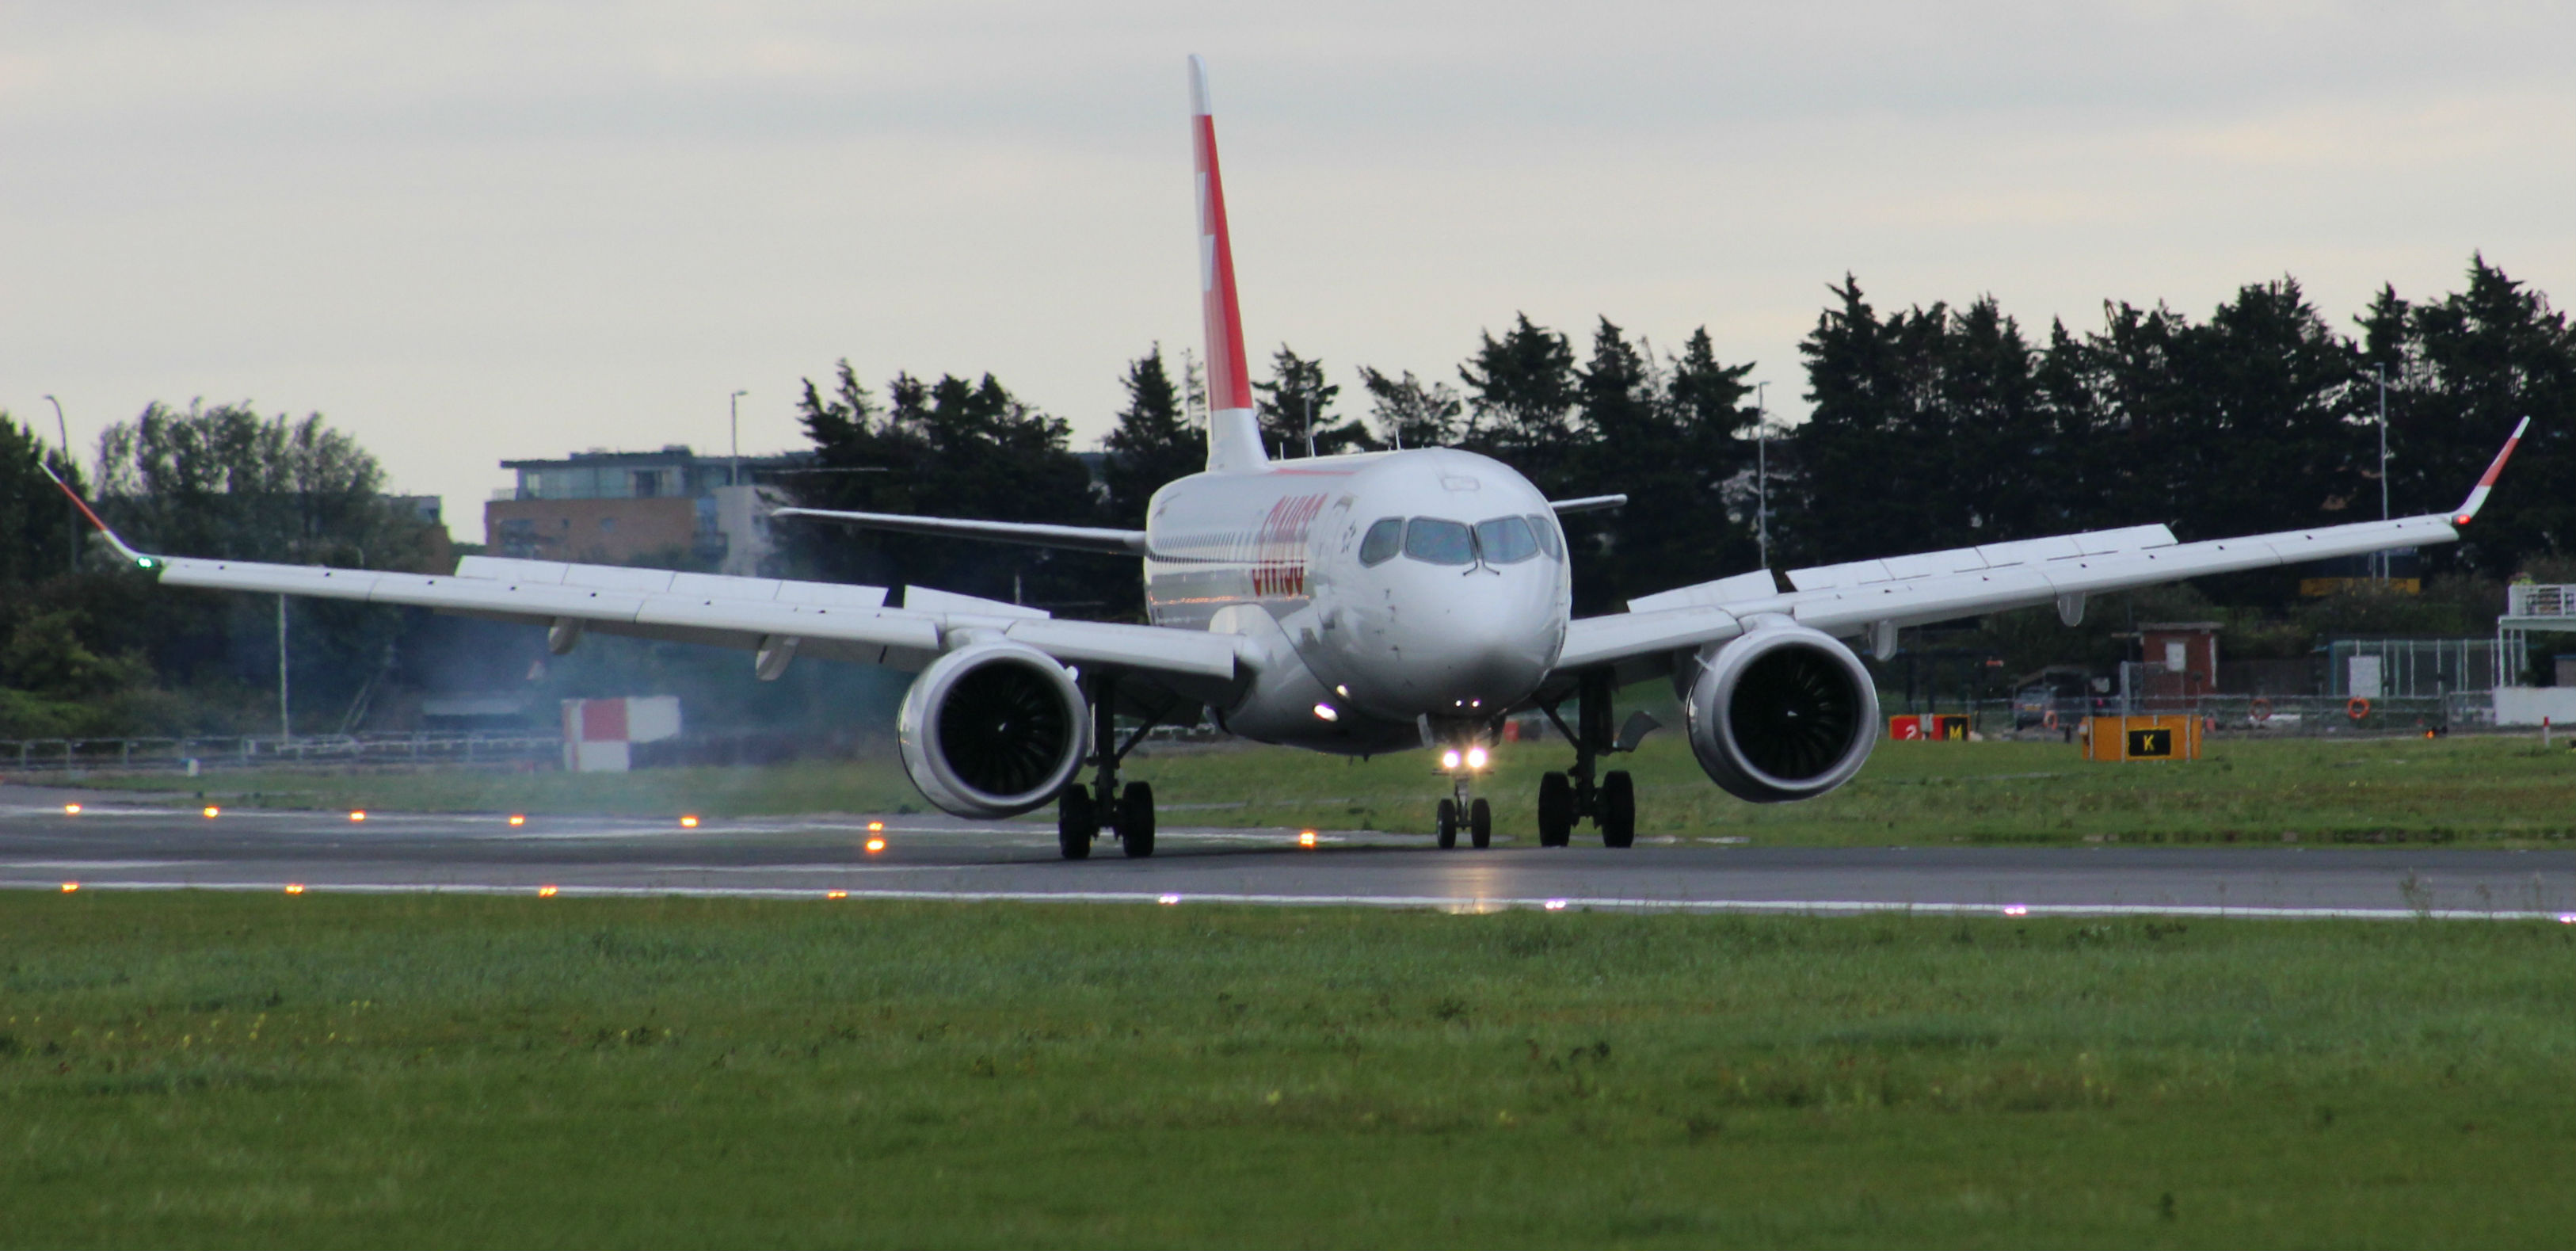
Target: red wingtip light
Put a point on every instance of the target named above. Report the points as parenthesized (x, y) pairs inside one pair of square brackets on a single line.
[(2461, 519)]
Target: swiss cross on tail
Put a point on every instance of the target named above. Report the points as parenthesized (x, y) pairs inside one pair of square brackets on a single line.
[(1234, 435)]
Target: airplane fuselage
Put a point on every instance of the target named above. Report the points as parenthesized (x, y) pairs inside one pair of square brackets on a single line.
[(1404, 585)]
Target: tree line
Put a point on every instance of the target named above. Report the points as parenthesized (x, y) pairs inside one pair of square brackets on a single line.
[(1930, 426)]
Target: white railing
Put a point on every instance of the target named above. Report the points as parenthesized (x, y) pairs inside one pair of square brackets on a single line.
[(2540, 600)]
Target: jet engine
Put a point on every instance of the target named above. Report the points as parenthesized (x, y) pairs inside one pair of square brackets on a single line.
[(993, 730), (1783, 712)]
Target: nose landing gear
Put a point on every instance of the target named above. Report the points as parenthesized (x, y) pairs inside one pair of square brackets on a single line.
[(1568, 797), (1461, 810), (1081, 812)]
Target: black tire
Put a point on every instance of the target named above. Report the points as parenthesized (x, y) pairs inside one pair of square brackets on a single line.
[(1480, 825), (1555, 810), (1077, 822), (1136, 820), (1618, 810), (1446, 819)]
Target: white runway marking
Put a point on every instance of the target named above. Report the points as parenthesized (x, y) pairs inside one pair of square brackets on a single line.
[(1445, 903)]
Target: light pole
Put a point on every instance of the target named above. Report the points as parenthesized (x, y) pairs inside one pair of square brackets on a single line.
[(733, 413), (2382, 370), (71, 511), (1762, 473)]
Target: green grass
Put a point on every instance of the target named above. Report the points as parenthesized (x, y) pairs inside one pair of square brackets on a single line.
[(193, 1070), (2487, 790)]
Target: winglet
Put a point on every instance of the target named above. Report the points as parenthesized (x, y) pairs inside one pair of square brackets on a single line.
[(2468, 509), (1234, 433), (140, 560)]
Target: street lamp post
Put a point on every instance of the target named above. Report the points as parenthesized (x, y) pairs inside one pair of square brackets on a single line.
[(2382, 371), (733, 413), (1762, 473), (71, 511)]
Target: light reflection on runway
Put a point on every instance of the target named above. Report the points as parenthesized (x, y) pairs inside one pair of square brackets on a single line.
[(115, 842)]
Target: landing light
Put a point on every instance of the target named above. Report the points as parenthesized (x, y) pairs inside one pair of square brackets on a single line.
[(295, 888), (69, 887), (875, 845), (688, 823), (1556, 905), (2016, 910), (1324, 712), (1449, 759), (546, 892), (876, 827), (836, 894), (359, 815), (1169, 899), (517, 819), (71, 810), (1305, 838), (1476, 757), (212, 812)]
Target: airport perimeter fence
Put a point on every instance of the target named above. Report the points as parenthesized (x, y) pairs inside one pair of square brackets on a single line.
[(2299, 716), (83, 755)]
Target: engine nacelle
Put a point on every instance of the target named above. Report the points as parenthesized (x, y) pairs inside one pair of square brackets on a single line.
[(1783, 712), (993, 730)]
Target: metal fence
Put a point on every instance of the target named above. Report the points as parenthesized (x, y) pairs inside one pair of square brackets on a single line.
[(76, 755)]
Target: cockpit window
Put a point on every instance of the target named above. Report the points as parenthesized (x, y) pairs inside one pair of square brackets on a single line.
[(1437, 542), (1506, 540), (1384, 540), (1545, 528)]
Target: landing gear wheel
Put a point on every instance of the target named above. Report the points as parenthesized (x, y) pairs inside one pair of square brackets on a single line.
[(1077, 822), (1480, 824), (1555, 810), (1618, 809), (1136, 820), (1447, 820)]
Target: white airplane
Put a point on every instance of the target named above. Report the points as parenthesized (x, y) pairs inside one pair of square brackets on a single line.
[(1355, 604)]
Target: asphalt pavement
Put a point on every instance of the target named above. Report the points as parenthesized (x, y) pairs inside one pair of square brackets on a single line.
[(120, 841)]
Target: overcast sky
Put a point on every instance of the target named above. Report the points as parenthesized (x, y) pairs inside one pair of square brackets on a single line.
[(474, 231)]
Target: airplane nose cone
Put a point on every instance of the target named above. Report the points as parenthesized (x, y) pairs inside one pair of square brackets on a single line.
[(1478, 645)]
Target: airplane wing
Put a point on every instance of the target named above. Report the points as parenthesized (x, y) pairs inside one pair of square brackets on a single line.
[(1872, 598), (774, 618)]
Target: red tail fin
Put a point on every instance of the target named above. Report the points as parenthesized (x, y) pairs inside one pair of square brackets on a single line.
[(1234, 435)]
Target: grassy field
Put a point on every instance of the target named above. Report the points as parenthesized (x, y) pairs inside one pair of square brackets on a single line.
[(197, 1070), (2493, 791)]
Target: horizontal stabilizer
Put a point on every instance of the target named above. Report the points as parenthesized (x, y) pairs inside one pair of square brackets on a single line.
[(1588, 503), (1078, 538)]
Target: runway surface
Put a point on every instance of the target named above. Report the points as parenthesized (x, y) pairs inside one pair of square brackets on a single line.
[(133, 843)]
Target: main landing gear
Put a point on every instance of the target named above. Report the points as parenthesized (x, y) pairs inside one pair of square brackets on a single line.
[(1082, 812), (1568, 797)]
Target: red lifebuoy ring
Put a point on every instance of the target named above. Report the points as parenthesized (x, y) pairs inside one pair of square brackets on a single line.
[(2049, 721), (2357, 709), (2262, 710)]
